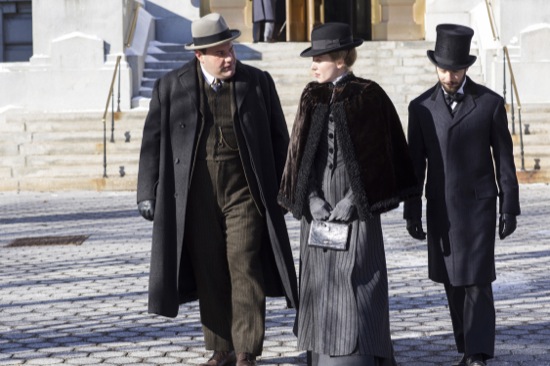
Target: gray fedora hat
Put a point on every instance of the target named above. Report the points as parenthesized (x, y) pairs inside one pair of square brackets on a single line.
[(452, 47), (209, 31)]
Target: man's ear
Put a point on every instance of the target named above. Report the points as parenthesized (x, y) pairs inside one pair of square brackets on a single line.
[(198, 55)]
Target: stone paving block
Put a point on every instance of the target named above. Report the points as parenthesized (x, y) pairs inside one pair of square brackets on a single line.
[(87, 304)]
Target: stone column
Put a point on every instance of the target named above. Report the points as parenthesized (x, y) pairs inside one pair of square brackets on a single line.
[(237, 14), (397, 22)]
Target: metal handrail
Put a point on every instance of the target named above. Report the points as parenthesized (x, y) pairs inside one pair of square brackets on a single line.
[(491, 19), (132, 29), (515, 92), (104, 119), (514, 86), (111, 96)]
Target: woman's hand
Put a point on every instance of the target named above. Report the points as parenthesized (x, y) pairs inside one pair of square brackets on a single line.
[(343, 211), (319, 208)]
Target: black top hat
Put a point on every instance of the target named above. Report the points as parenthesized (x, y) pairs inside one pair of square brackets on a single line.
[(330, 37), (452, 47)]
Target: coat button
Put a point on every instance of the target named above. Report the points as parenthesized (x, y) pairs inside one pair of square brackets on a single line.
[(182, 125), (176, 160)]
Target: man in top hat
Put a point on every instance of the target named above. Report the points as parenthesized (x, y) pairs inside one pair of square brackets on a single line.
[(213, 151), (458, 132)]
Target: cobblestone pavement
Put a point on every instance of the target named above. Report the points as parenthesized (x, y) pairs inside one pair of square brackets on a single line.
[(86, 304)]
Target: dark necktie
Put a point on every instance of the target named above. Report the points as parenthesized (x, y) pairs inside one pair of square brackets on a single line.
[(450, 98), (216, 84)]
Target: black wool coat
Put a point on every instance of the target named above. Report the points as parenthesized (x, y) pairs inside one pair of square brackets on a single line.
[(469, 161), (172, 129)]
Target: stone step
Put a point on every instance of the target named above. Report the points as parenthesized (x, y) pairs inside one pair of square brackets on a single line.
[(51, 151)]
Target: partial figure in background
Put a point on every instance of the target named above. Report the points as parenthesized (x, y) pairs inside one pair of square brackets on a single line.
[(347, 163), (263, 17), (460, 145)]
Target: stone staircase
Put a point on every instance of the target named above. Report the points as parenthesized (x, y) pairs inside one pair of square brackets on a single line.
[(64, 150), (536, 142)]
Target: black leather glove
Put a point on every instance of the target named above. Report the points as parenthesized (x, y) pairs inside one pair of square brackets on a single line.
[(319, 208), (414, 227), (147, 209), (507, 224), (343, 211)]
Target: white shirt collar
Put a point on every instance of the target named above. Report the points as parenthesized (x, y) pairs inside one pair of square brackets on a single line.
[(335, 81), (209, 78)]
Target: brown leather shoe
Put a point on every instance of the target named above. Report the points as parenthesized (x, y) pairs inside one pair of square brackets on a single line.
[(246, 359), (221, 358)]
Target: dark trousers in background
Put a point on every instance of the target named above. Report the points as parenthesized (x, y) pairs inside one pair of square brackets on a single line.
[(223, 236), (473, 316)]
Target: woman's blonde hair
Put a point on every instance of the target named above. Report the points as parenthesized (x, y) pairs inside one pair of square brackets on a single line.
[(349, 56)]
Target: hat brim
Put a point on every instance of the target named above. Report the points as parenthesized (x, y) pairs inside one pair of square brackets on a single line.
[(310, 52), (450, 65), (235, 33)]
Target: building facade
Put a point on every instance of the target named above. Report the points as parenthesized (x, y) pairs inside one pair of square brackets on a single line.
[(61, 54)]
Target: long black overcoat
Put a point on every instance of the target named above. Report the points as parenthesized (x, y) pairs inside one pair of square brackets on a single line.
[(171, 130), (469, 164)]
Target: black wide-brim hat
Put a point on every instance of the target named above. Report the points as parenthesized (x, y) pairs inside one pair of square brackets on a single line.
[(209, 31), (452, 47), (330, 37)]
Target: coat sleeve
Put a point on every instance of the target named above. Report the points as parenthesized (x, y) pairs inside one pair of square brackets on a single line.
[(413, 206), (148, 173), (279, 129), (505, 167)]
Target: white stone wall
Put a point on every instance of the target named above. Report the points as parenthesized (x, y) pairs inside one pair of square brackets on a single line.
[(76, 42), (75, 45)]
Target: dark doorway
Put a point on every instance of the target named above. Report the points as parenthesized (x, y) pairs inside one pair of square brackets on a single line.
[(356, 13)]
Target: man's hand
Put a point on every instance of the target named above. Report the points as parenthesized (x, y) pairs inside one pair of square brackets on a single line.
[(414, 227), (343, 211), (507, 224), (147, 209), (319, 208)]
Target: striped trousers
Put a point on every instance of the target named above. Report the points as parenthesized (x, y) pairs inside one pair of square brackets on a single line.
[(224, 231)]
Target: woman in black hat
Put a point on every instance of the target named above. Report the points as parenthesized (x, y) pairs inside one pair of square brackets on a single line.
[(347, 163)]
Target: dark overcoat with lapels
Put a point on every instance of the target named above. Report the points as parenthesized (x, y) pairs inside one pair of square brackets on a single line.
[(171, 130), (470, 163)]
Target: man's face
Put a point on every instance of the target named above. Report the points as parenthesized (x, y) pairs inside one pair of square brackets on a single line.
[(451, 80), (219, 61)]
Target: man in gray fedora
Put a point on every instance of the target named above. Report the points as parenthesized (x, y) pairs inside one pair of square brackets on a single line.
[(213, 151), (458, 132)]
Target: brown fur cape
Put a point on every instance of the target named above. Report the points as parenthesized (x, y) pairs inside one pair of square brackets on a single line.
[(372, 141)]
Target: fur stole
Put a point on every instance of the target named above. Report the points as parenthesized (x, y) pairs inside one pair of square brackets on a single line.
[(372, 141)]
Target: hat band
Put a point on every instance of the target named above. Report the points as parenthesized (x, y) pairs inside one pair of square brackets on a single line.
[(201, 41), (448, 61), (330, 43)]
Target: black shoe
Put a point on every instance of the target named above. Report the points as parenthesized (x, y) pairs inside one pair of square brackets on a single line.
[(475, 360), (462, 362)]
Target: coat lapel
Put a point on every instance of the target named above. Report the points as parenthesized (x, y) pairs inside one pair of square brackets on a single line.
[(188, 81), (468, 103), (241, 85), (439, 107)]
